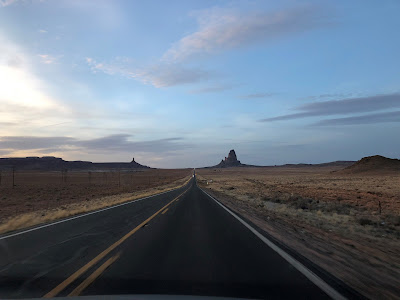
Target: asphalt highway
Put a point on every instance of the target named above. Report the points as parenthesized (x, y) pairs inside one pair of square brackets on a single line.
[(178, 243)]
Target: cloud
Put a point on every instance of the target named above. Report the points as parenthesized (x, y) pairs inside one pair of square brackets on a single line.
[(12, 143), (42, 31), (4, 3), (211, 89), (333, 95), (158, 75), (386, 117), (170, 75), (47, 59), (257, 96), (221, 29), (342, 107), (108, 144)]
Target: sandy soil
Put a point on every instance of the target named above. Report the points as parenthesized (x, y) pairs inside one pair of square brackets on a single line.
[(38, 197), (347, 224)]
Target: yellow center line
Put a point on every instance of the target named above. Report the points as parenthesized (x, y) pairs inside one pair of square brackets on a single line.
[(94, 276), (100, 256), (164, 211)]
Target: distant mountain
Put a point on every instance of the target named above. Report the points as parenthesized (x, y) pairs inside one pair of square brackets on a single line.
[(373, 164), (51, 163), (232, 161), (338, 163)]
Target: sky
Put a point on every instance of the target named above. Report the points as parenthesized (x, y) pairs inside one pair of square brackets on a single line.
[(178, 84)]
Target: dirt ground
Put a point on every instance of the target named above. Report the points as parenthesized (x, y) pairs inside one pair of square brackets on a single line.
[(35, 194), (347, 224)]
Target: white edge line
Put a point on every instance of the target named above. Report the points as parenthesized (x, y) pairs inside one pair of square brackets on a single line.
[(330, 291), (83, 215)]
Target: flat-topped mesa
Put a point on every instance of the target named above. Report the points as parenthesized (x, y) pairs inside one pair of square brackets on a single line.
[(50, 163)]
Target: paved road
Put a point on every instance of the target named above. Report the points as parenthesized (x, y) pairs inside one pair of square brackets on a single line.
[(181, 242)]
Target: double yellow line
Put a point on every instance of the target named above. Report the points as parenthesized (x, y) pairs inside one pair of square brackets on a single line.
[(59, 288)]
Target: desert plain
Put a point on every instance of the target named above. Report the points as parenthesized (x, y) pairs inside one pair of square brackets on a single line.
[(348, 223), (28, 198)]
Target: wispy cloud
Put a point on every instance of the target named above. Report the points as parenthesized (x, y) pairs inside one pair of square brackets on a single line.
[(42, 31), (257, 96), (342, 107), (13, 143), (107, 144), (170, 75), (211, 89), (4, 3), (386, 117), (219, 29), (222, 29), (158, 75), (47, 59), (331, 96)]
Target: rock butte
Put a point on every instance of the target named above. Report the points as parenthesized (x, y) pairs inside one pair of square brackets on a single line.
[(230, 161)]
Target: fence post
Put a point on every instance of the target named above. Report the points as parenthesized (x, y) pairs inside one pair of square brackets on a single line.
[(13, 177)]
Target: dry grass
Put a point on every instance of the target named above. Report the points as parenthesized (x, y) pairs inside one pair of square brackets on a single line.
[(348, 224), (150, 184)]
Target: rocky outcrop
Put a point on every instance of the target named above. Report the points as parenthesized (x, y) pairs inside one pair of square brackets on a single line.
[(230, 161)]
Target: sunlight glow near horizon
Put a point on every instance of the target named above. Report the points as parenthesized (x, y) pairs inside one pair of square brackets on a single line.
[(180, 84), (21, 89)]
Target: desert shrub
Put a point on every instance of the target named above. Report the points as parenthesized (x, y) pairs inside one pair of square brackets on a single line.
[(266, 198), (250, 195), (393, 220), (276, 200), (302, 203), (230, 188), (343, 209), (365, 221)]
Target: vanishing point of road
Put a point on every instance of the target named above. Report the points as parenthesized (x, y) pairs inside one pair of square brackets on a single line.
[(183, 242)]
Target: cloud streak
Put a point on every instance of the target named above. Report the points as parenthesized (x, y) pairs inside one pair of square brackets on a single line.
[(211, 89), (108, 144), (159, 75), (220, 29), (257, 96), (342, 107), (4, 3), (386, 117)]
